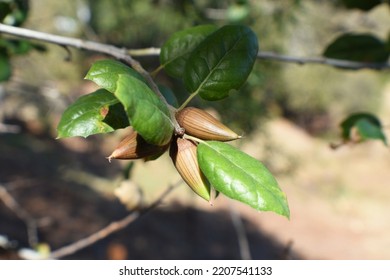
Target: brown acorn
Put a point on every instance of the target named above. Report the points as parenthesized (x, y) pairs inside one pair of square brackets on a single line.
[(134, 146), (183, 154), (201, 124)]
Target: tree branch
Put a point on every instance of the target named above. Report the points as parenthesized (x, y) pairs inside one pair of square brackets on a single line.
[(243, 243), (346, 64), (126, 55), (110, 229), (118, 53), (13, 205)]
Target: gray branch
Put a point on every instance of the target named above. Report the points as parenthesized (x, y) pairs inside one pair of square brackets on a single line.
[(118, 53), (346, 64), (125, 55)]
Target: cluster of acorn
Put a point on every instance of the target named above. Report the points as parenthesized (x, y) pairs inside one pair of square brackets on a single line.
[(197, 123)]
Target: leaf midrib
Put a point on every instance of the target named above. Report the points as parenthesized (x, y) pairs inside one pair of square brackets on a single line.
[(242, 170), (220, 61)]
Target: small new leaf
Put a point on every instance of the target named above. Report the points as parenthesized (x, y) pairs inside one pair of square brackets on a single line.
[(105, 73), (97, 112), (221, 62), (148, 115), (241, 177)]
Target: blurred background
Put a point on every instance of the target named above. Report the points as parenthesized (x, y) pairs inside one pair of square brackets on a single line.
[(288, 114)]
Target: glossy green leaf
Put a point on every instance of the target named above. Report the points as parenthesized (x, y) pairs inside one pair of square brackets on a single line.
[(367, 127), (364, 5), (5, 66), (97, 112), (176, 50), (358, 47), (241, 177), (221, 62), (149, 116), (105, 73)]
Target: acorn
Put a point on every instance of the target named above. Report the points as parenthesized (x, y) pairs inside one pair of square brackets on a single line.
[(134, 146), (183, 154), (201, 124)]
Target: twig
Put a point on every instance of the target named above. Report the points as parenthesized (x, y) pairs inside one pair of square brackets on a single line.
[(243, 243), (346, 64), (13, 205), (125, 55), (118, 53), (341, 63), (108, 230), (145, 52), (9, 128)]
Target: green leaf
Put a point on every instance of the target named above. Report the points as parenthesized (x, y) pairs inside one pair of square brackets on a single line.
[(364, 5), (105, 73), (241, 177), (367, 125), (221, 62), (97, 112), (5, 66), (358, 47), (176, 50), (367, 130), (149, 116)]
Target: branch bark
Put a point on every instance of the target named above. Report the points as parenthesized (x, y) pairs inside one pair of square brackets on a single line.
[(126, 55), (110, 50), (30, 222), (118, 53), (346, 64), (110, 229)]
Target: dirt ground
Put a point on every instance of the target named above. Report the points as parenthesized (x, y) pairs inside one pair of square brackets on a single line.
[(339, 201)]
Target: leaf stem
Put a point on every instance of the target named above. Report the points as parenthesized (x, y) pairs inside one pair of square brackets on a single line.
[(187, 100), (156, 71), (193, 138)]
